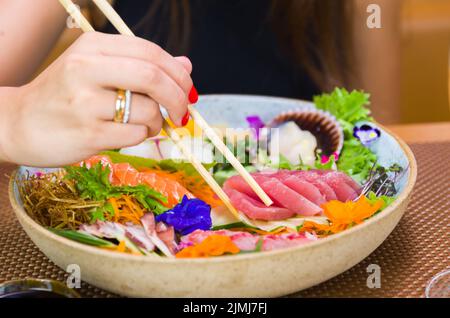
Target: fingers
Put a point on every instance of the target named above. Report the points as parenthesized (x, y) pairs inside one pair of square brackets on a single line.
[(138, 76), (137, 48), (144, 110), (115, 135), (185, 62)]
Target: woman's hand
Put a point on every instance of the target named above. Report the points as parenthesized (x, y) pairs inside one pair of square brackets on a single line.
[(65, 115)]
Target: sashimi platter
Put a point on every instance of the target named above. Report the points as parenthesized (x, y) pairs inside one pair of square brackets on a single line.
[(141, 221)]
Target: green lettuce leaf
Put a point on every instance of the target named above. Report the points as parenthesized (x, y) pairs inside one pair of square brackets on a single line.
[(349, 108), (94, 184), (372, 197), (165, 164), (81, 237)]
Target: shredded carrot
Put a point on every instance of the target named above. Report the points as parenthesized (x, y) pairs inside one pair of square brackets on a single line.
[(126, 209), (213, 245)]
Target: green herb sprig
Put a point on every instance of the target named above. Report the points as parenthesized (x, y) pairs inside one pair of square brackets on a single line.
[(94, 184)]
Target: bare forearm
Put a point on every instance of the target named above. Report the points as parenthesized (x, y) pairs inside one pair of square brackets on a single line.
[(9, 99), (28, 30)]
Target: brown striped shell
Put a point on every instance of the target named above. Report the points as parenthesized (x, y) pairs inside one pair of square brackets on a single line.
[(322, 125)]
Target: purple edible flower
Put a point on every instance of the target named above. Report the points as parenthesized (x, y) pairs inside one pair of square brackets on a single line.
[(38, 174), (366, 134), (255, 123), (187, 216)]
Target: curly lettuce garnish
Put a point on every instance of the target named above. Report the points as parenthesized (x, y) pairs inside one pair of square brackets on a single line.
[(349, 108), (94, 184)]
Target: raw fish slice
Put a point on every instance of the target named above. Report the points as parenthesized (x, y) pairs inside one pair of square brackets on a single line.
[(173, 190), (342, 176), (238, 184), (243, 240), (137, 235), (167, 235), (110, 230), (92, 161), (248, 242), (124, 174), (348, 180), (275, 242), (148, 222), (286, 197), (305, 188), (322, 186), (343, 191), (256, 210)]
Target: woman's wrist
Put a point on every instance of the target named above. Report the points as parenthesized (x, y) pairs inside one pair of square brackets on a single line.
[(9, 102)]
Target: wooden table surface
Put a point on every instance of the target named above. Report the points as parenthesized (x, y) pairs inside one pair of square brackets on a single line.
[(423, 133)]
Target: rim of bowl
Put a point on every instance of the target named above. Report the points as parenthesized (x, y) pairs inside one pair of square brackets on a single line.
[(230, 258)]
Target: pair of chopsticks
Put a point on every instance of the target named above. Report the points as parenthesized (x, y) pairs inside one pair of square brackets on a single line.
[(123, 29)]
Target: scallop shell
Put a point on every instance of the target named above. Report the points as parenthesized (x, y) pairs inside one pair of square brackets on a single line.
[(323, 125)]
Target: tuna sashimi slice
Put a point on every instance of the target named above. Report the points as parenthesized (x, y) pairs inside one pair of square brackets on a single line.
[(238, 184), (343, 191), (254, 209), (315, 179), (286, 197), (305, 188), (348, 180)]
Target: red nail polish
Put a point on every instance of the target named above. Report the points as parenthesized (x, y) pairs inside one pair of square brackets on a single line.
[(185, 119), (193, 95)]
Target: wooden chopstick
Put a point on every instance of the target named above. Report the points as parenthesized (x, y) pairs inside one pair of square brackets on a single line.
[(218, 142), (74, 11), (86, 27), (121, 26)]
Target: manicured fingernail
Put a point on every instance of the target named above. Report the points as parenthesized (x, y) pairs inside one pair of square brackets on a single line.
[(193, 95), (185, 119)]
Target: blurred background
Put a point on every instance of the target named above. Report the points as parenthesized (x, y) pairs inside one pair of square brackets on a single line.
[(425, 68)]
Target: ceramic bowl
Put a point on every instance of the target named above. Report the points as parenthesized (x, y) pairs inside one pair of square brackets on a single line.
[(266, 274)]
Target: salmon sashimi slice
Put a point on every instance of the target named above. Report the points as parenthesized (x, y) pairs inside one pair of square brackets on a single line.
[(92, 161), (172, 189), (123, 174)]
